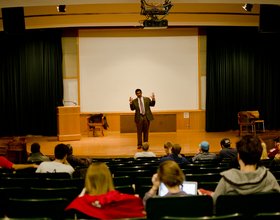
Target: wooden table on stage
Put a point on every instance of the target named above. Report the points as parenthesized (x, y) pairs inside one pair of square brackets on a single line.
[(68, 123)]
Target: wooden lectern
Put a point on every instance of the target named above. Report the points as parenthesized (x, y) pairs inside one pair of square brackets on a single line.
[(68, 123)]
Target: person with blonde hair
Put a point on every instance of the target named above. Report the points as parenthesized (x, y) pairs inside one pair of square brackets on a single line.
[(264, 152), (170, 174), (100, 200), (145, 152)]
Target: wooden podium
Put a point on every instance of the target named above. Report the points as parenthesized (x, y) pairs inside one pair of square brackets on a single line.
[(68, 123)]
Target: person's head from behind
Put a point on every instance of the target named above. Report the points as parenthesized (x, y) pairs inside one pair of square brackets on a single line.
[(61, 151), (138, 93), (225, 143), (170, 174), (204, 145), (35, 148), (145, 146), (98, 179), (249, 149), (167, 147), (70, 149), (176, 149)]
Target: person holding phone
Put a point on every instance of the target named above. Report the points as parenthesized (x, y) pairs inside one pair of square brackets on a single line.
[(170, 174)]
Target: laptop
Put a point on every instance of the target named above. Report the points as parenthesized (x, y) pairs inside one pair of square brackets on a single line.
[(188, 186)]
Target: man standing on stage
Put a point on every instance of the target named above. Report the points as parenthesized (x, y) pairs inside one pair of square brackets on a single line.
[(143, 115)]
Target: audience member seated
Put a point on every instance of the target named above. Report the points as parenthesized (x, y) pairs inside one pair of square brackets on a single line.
[(36, 156), (275, 163), (175, 151), (60, 164), (100, 200), (171, 175), (226, 151), (145, 152), (203, 152), (275, 150), (6, 164), (264, 152), (274, 153), (75, 161), (167, 147), (249, 179)]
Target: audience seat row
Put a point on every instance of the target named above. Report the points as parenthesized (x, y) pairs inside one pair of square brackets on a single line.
[(195, 206), (28, 182), (176, 207), (136, 182)]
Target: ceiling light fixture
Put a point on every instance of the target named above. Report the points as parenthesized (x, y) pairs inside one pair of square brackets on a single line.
[(248, 7), (61, 8)]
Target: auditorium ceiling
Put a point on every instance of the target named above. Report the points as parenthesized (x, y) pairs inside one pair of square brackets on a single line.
[(41, 14)]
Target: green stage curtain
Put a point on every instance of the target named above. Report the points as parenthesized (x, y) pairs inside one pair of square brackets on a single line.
[(31, 82), (243, 74)]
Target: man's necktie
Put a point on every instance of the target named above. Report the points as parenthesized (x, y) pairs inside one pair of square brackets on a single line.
[(142, 107)]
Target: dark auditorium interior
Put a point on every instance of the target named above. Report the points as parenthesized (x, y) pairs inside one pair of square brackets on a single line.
[(68, 70)]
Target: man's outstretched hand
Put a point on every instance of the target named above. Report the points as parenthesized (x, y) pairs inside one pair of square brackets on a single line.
[(130, 100)]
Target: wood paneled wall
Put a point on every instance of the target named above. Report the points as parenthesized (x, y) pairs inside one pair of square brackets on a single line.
[(193, 119)]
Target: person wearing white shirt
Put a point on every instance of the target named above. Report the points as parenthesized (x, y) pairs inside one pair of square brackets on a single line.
[(60, 164), (145, 152)]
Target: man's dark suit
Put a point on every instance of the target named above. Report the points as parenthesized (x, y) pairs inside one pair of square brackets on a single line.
[(142, 122)]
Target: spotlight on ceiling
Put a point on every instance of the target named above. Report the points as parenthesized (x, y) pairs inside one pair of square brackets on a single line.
[(61, 8), (247, 7)]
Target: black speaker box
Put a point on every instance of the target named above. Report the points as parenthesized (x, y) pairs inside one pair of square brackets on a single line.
[(13, 20), (269, 19)]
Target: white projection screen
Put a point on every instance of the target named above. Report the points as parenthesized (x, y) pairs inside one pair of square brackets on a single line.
[(113, 63)]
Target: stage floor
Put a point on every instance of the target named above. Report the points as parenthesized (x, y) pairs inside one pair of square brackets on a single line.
[(114, 144)]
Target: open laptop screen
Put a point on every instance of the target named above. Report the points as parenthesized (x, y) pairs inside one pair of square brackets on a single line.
[(189, 187)]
